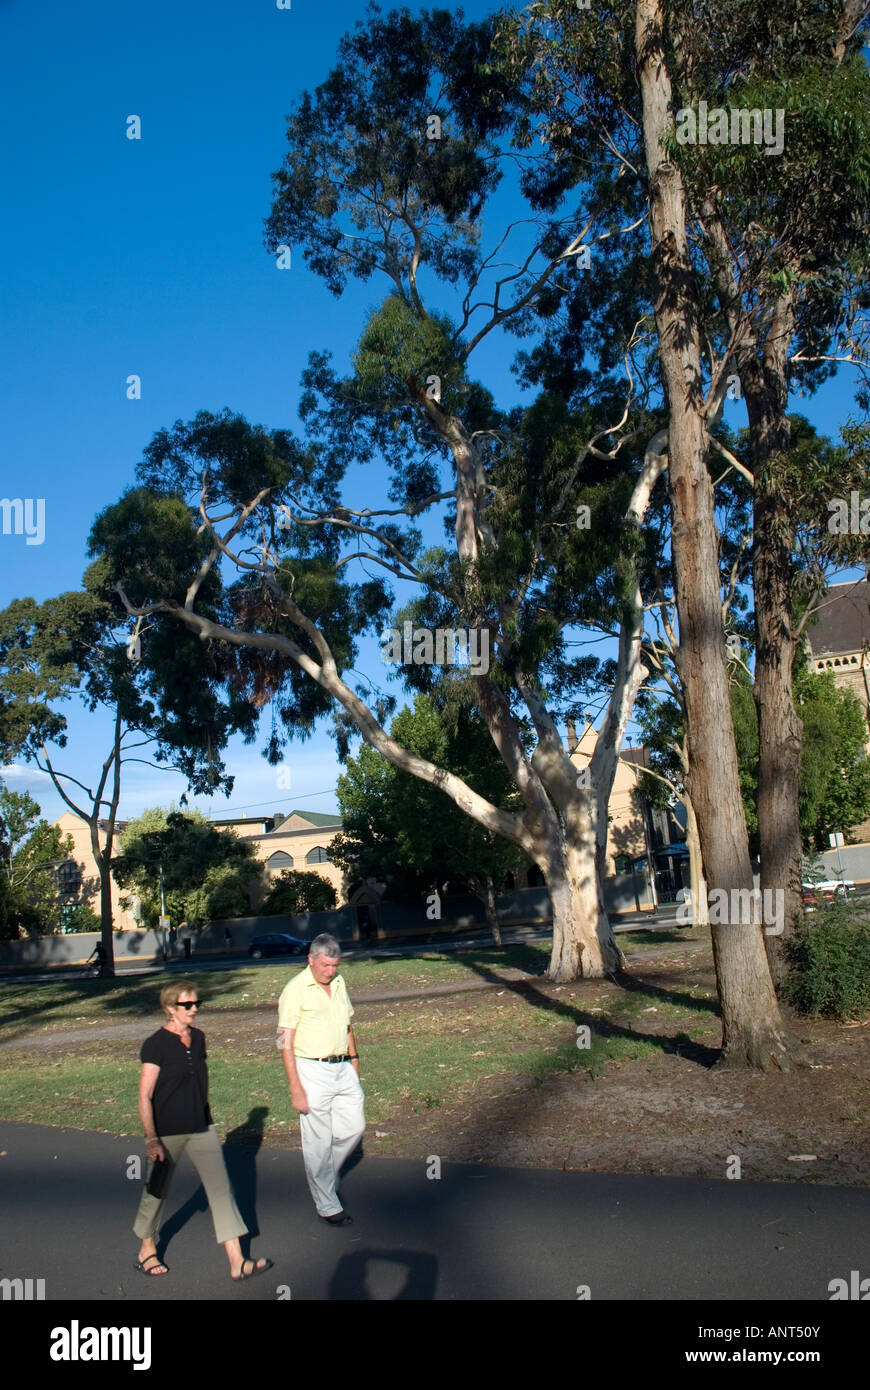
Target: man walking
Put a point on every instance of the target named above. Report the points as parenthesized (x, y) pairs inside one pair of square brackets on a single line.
[(322, 1066)]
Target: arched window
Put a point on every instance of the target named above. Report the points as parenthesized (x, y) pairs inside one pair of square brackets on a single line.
[(319, 855), (69, 879), (279, 860)]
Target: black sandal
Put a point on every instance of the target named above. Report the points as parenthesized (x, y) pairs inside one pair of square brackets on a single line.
[(152, 1273), (257, 1269)]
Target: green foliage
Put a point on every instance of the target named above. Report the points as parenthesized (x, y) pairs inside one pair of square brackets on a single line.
[(30, 850), (408, 833), (398, 346), (80, 919), (296, 891), (834, 787), (206, 871), (830, 963), (835, 770), (366, 127)]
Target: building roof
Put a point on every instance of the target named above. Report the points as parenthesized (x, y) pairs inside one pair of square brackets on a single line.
[(316, 818), (843, 623), (245, 822)]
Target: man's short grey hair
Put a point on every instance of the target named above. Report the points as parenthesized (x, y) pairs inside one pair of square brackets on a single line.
[(325, 945)]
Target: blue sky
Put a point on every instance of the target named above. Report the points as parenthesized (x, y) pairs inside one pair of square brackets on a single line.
[(146, 257)]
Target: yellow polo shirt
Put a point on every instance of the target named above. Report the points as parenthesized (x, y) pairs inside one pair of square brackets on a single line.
[(321, 1020)]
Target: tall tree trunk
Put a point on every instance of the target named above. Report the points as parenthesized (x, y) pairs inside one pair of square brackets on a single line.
[(491, 914), (630, 670), (780, 730), (103, 859), (753, 1031), (583, 942), (701, 917)]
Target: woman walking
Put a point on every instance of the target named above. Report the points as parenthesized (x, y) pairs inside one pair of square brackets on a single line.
[(173, 1108)]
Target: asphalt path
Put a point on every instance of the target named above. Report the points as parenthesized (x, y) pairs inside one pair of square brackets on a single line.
[(476, 1233)]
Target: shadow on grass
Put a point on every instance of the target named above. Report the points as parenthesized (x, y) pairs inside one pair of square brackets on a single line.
[(644, 937), (604, 1028), (113, 996)]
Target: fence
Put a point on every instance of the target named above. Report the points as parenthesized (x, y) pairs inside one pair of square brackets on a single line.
[(526, 906)]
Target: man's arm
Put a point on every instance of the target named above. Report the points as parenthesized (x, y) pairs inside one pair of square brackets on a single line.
[(351, 1047), (298, 1098)]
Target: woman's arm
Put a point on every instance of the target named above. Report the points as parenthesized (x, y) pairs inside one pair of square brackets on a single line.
[(147, 1082)]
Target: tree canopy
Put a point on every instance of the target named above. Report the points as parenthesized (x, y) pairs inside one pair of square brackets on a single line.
[(207, 872)]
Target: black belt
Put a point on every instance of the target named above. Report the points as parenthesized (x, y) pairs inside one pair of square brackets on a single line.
[(336, 1057)]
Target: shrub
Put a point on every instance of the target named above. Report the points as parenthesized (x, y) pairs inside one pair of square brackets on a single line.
[(82, 918), (829, 958), (299, 891)]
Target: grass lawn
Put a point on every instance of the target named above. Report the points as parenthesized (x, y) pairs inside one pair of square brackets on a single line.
[(417, 1054), (66, 1003)]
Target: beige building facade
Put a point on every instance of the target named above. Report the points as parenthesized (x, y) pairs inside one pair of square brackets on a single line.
[(301, 841), (840, 642)]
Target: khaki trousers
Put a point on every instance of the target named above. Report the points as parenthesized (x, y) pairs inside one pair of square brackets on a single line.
[(333, 1127), (204, 1151)]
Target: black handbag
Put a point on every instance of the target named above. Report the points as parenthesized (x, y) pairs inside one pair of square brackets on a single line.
[(159, 1177)]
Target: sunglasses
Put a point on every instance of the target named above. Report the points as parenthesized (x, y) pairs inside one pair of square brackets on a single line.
[(187, 1004)]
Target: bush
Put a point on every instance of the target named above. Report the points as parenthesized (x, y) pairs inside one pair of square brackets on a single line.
[(829, 959), (297, 891), (223, 893), (81, 919)]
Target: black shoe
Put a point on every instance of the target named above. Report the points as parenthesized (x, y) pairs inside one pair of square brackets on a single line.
[(339, 1218)]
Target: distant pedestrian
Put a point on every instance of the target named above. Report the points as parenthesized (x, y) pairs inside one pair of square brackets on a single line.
[(322, 1066), (174, 1110), (228, 939)]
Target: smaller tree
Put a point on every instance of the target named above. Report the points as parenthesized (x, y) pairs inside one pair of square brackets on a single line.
[(30, 852), (81, 918), (398, 828), (207, 873), (296, 891)]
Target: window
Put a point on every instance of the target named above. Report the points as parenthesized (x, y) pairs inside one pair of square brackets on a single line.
[(69, 879), (280, 860), (317, 856)]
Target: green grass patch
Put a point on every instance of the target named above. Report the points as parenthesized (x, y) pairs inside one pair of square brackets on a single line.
[(418, 1055), (66, 1003)]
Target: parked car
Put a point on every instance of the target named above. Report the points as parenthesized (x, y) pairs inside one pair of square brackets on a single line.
[(815, 894), (277, 944)]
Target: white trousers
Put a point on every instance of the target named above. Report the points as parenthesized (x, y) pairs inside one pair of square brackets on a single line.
[(333, 1127)]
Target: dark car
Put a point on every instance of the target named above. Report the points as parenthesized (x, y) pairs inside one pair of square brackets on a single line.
[(277, 944)]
